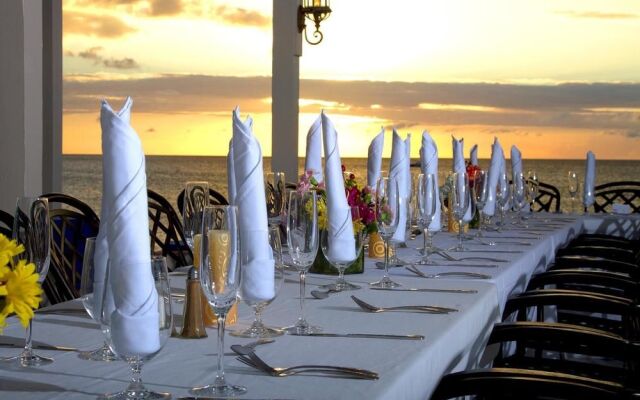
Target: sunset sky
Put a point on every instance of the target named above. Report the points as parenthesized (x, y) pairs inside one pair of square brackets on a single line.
[(555, 77)]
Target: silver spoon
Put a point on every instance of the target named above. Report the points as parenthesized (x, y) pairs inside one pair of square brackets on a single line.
[(323, 294)]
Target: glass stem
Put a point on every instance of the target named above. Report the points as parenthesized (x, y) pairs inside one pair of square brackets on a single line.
[(341, 269), (222, 317), (480, 217), (426, 245), (258, 315), (28, 339), (386, 258), (303, 292), (136, 388), (460, 246)]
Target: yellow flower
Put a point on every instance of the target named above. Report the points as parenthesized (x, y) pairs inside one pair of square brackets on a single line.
[(8, 249), (21, 291)]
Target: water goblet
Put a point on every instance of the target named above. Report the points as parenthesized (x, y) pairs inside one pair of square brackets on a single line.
[(520, 198), (302, 243), (459, 201), (92, 302), (258, 329), (503, 195), (220, 281), (480, 192), (274, 189), (574, 187), (132, 349), (533, 187), (388, 203), (426, 202), (341, 253), (196, 198), (32, 229)]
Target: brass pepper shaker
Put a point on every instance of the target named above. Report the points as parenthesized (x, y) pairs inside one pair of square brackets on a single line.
[(192, 323)]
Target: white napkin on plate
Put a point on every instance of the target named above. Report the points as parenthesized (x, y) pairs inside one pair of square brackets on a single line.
[(374, 161), (257, 272), (313, 159), (341, 239), (429, 165), (398, 171), (589, 179), (459, 166), (473, 155), (495, 168), (134, 322)]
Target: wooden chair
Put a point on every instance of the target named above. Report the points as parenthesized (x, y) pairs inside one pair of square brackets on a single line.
[(548, 198), (625, 192), (6, 224), (215, 199), (72, 222), (165, 230)]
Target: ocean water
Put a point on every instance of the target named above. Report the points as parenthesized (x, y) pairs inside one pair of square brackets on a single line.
[(82, 175)]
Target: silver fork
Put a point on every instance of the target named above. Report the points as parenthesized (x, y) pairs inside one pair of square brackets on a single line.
[(424, 309), (475, 275), (452, 258)]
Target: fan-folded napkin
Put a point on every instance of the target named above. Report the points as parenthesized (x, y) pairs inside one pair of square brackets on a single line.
[(398, 172), (473, 155), (429, 165), (495, 169), (341, 240), (313, 158), (374, 160), (459, 166), (589, 179), (257, 256), (134, 321)]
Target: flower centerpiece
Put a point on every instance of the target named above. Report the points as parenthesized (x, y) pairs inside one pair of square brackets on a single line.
[(356, 197), (446, 188), (19, 288), (472, 169)]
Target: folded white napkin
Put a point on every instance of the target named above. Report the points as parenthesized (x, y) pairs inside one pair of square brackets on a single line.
[(459, 166), (495, 168), (374, 161), (408, 180), (313, 158), (231, 176), (589, 179), (134, 322), (516, 166), (473, 155), (341, 239), (398, 172), (429, 165), (258, 263)]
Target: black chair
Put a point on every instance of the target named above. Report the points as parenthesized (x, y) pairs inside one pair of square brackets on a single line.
[(72, 222), (6, 224), (596, 263), (548, 198), (606, 241), (215, 199), (603, 282), (625, 192), (165, 230), (602, 252), (520, 384)]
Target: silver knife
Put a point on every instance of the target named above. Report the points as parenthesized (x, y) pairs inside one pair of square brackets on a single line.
[(40, 346), (364, 336), (469, 291), (445, 263), (491, 251)]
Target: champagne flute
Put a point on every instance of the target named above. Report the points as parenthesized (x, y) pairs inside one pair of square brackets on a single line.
[(502, 198), (426, 202), (220, 281), (32, 229), (480, 194), (92, 304), (258, 329), (274, 188), (388, 203), (459, 201), (134, 350), (533, 187), (341, 253), (196, 198), (302, 242), (520, 197), (574, 187)]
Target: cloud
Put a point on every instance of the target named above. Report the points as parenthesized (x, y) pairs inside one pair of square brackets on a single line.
[(104, 26), (241, 16), (596, 15), (165, 7), (151, 130), (123, 63), (93, 53)]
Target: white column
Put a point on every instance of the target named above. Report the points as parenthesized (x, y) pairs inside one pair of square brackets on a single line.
[(285, 88)]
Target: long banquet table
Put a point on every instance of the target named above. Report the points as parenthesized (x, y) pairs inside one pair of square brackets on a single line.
[(408, 369)]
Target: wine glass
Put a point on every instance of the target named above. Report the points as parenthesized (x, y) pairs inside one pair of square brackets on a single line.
[(533, 187), (388, 203), (32, 229), (220, 281), (341, 254), (92, 304), (574, 187), (480, 195), (302, 242), (502, 198), (132, 348), (196, 198), (258, 329), (426, 203), (520, 197), (459, 201), (274, 189)]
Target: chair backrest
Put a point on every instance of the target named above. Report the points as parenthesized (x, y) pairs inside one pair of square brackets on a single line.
[(72, 222), (6, 224), (215, 199), (587, 281), (165, 230), (625, 192), (548, 198)]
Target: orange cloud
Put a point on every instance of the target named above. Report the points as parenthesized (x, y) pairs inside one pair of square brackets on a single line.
[(104, 26)]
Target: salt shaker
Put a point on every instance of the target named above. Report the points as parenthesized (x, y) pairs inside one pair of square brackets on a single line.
[(193, 325)]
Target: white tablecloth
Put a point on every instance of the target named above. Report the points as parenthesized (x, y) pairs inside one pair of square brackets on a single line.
[(408, 369)]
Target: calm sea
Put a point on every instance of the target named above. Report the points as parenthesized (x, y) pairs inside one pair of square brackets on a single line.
[(82, 175)]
